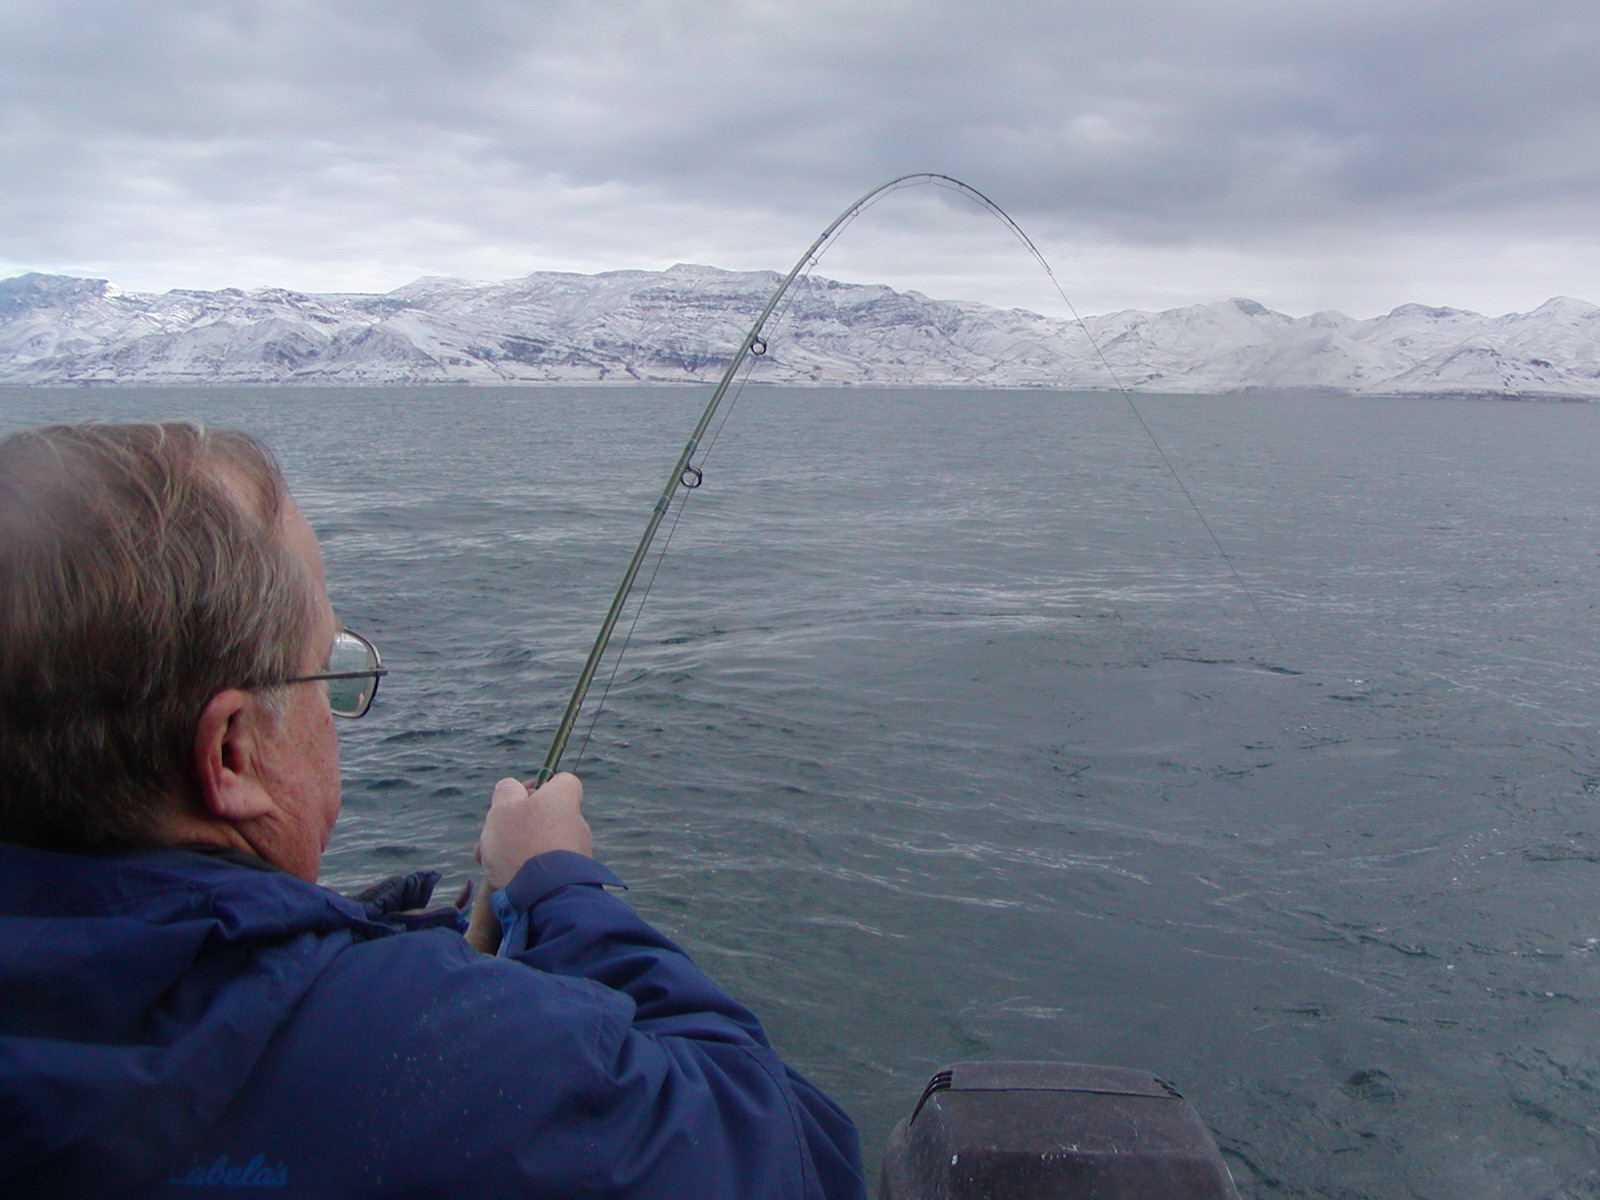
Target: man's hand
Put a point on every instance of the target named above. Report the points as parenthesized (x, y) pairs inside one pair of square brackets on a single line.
[(522, 824)]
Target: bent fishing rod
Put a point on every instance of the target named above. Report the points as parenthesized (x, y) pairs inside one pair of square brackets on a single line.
[(686, 475)]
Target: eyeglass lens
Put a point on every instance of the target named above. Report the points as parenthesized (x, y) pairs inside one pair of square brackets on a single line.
[(353, 696)]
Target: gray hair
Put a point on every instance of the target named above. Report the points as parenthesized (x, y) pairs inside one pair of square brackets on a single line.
[(142, 570)]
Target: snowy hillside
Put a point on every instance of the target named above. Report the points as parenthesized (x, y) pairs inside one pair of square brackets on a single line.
[(681, 324)]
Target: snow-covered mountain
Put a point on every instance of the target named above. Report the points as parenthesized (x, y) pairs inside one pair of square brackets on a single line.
[(680, 325)]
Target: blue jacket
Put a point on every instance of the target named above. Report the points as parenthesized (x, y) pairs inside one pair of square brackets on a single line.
[(177, 1025)]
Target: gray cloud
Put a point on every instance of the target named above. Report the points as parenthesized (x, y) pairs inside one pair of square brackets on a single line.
[(1317, 153)]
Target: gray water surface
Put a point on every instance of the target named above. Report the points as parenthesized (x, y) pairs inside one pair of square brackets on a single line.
[(949, 733)]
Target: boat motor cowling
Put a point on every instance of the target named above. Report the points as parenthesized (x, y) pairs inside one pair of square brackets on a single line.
[(1066, 1131)]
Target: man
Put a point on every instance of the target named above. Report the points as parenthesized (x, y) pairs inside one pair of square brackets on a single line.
[(183, 1011)]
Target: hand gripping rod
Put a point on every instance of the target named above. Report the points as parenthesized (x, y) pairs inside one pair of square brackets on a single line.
[(682, 470)]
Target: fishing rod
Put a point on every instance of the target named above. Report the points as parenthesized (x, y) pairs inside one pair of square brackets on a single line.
[(686, 475)]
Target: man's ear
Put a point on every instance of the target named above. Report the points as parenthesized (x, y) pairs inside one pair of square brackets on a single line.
[(226, 741)]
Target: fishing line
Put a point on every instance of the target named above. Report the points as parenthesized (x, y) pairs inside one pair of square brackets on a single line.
[(686, 476), (682, 502), (638, 611), (1138, 416)]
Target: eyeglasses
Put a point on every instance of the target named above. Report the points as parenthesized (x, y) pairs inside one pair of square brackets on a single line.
[(354, 669)]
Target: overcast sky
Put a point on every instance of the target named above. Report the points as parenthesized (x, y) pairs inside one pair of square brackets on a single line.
[(1356, 154)]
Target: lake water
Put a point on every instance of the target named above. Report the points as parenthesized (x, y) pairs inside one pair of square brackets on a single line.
[(948, 733)]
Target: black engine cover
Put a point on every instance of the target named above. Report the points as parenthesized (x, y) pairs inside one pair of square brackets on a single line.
[(1063, 1131)]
